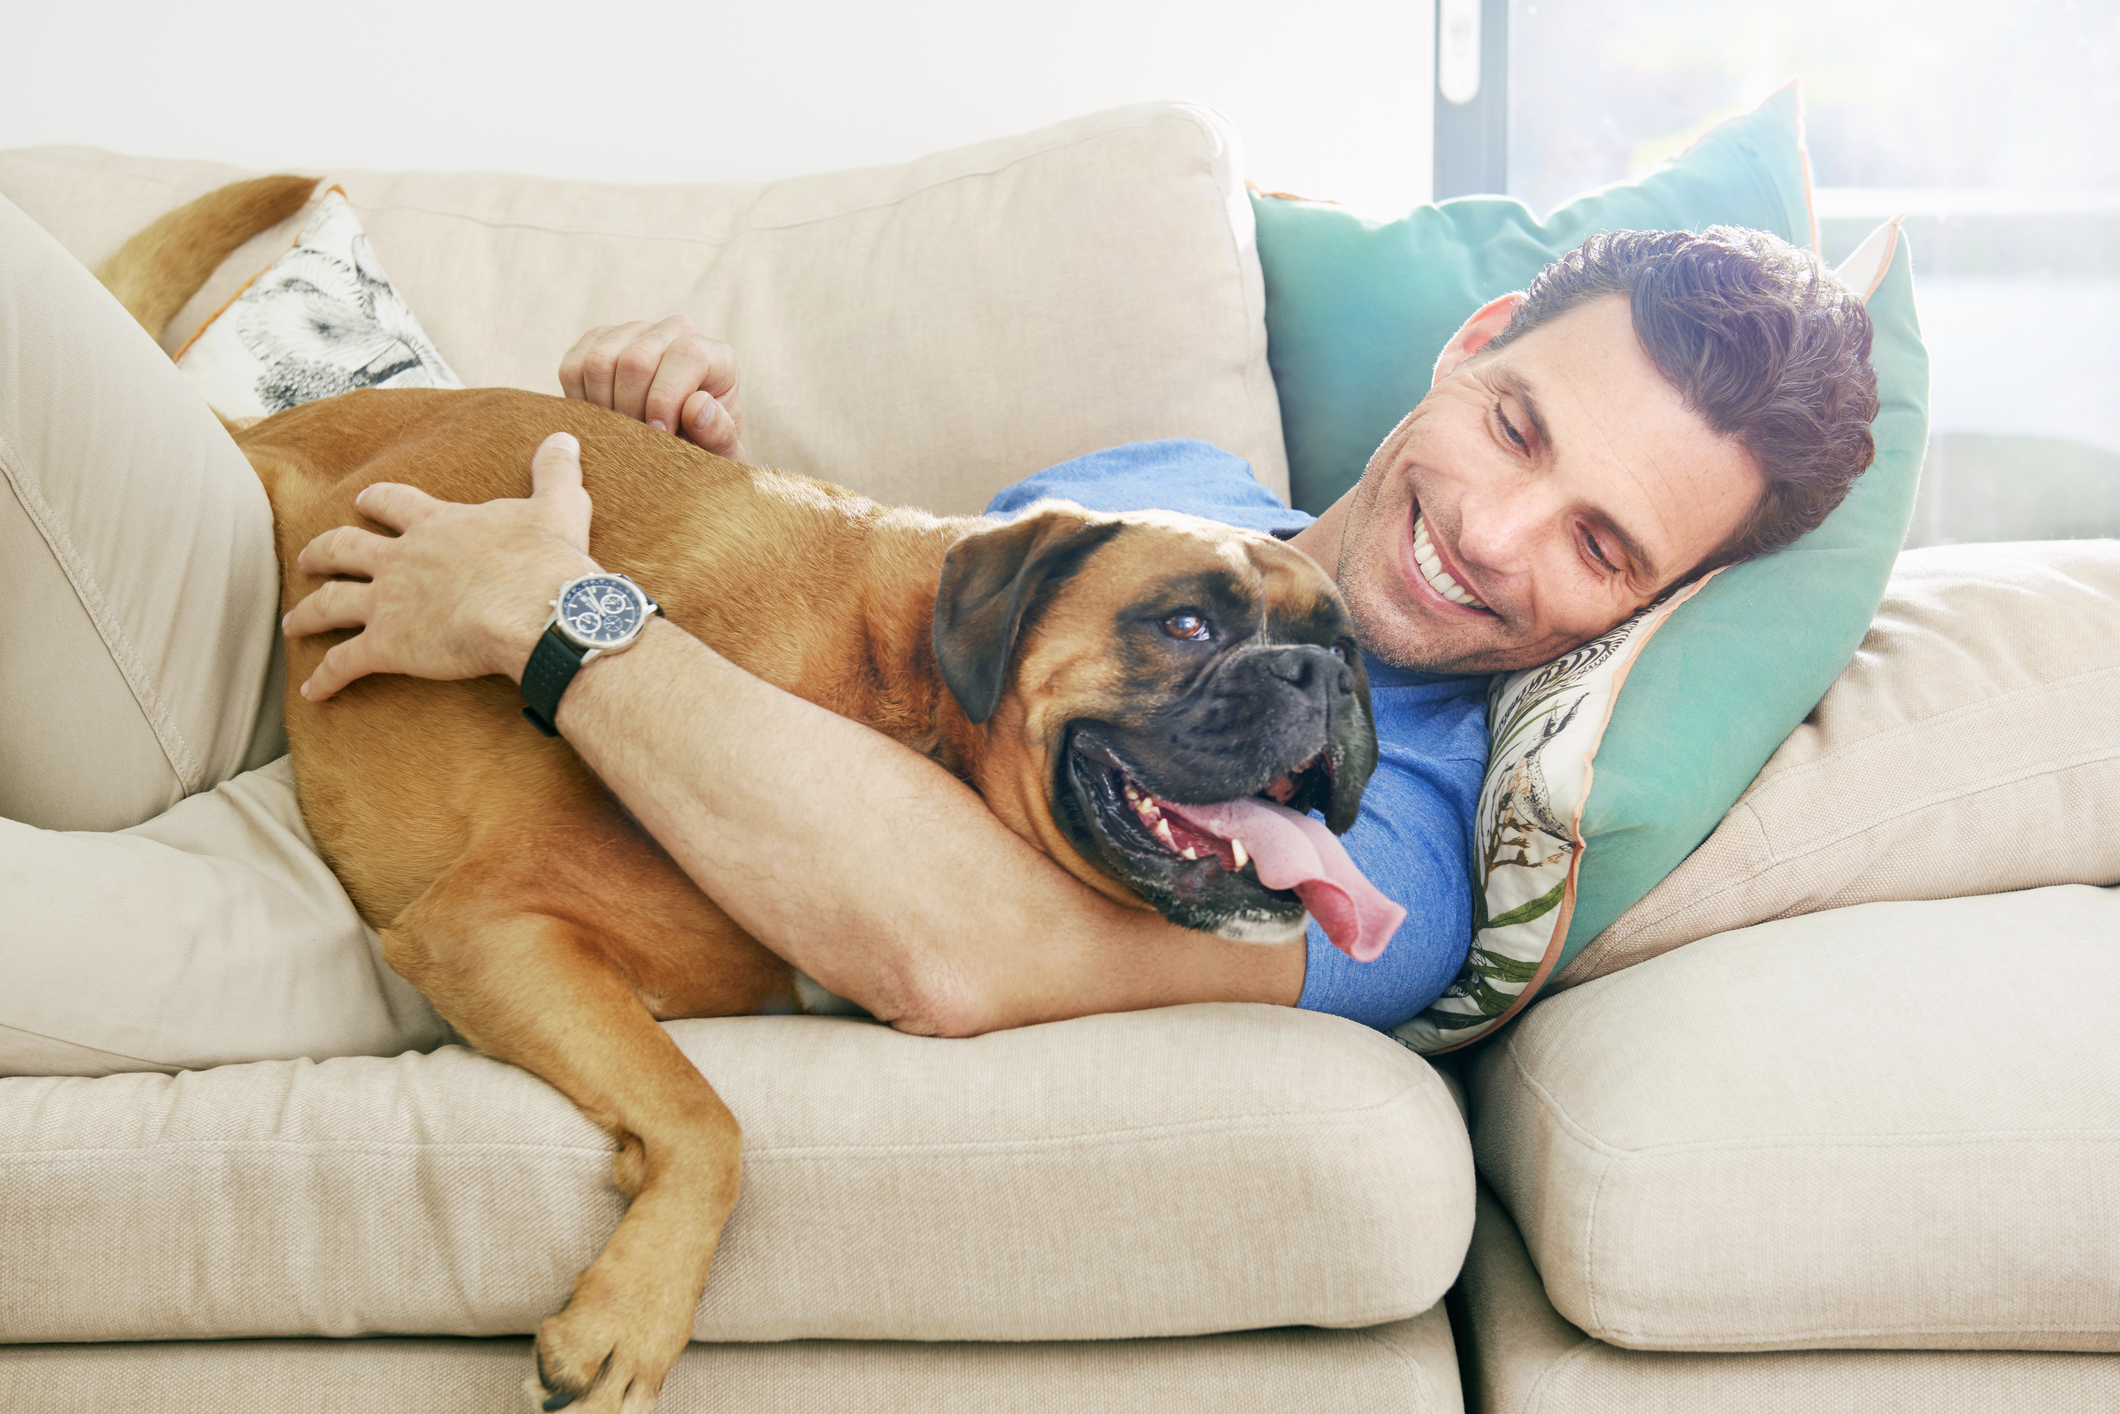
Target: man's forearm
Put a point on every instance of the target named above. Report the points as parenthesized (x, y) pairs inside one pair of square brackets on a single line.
[(870, 867)]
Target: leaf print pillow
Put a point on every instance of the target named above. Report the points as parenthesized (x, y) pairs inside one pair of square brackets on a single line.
[(1545, 725), (322, 319)]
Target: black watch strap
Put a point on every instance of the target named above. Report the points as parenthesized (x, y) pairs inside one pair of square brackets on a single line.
[(553, 664)]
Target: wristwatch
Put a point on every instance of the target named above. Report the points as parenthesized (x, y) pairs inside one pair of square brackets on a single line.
[(592, 616)]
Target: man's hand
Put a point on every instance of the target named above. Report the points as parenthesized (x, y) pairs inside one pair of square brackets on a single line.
[(668, 375), (460, 591)]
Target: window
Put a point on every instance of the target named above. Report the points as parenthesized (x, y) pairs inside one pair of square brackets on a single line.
[(1994, 128)]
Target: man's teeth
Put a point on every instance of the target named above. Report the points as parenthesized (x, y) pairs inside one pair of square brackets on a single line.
[(1432, 568)]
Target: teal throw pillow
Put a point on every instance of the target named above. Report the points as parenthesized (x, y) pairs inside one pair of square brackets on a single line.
[(1357, 310), (1677, 710)]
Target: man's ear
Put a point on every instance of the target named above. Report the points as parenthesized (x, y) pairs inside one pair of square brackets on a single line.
[(1473, 335), (990, 581)]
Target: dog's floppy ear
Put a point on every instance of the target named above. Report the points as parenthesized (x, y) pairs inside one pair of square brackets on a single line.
[(990, 581)]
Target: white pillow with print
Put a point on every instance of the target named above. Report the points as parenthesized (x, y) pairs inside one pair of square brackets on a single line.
[(322, 319)]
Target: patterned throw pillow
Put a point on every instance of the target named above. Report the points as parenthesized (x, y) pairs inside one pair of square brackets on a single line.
[(1546, 725), (322, 319)]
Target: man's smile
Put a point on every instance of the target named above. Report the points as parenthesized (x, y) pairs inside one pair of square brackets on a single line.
[(1425, 565)]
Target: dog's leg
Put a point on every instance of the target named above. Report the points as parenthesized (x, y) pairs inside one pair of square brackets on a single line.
[(537, 990)]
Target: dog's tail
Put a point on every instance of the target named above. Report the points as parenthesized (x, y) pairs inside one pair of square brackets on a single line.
[(164, 265)]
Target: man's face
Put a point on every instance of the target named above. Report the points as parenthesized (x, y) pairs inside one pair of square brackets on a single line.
[(1535, 498)]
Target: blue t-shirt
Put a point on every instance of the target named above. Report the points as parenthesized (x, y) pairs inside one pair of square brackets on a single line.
[(1413, 838)]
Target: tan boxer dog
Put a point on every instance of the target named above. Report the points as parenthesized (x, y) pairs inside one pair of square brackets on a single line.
[(1141, 696)]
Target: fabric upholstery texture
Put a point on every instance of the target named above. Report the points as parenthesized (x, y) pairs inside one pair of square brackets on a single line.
[(1521, 1357), (925, 333), (1962, 752), (1407, 1366), (1895, 1125), (1172, 1172)]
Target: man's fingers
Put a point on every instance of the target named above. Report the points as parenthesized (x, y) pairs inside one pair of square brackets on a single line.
[(688, 364), (570, 363), (343, 549), (344, 663), (649, 372), (590, 367), (634, 374), (708, 424), (660, 355), (396, 505), (711, 362), (556, 466), (556, 485), (340, 604)]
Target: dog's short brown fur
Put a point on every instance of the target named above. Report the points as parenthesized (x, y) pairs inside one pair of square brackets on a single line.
[(548, 928)]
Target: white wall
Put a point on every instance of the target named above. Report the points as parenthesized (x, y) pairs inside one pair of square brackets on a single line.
[(1332, 97)]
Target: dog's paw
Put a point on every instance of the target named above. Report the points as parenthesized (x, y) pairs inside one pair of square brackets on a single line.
[(601, 1358)]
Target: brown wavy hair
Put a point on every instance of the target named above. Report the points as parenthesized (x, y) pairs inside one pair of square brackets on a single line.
[(1759, 339)]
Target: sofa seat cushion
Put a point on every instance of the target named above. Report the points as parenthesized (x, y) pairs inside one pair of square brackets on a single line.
[(1407, 1367), (1895, 1125), (1520, 1357), (1160, 1173), (923, 333)]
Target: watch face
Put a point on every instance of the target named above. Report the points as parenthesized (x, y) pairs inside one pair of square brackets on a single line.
[(601, 611)]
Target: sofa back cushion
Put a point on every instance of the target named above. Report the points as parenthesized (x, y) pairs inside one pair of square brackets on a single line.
[(925, 333), (1966, 750)]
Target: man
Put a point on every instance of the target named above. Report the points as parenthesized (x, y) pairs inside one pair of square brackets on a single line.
[(1655, 405)]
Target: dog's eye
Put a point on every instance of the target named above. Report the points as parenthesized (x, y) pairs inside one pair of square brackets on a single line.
[(1186, 624), (1339, 651)]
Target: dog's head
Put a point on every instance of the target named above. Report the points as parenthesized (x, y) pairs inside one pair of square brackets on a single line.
[(1134, 673)]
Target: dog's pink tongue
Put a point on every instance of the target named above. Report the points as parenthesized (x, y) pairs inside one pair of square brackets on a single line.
[(1291, 850)]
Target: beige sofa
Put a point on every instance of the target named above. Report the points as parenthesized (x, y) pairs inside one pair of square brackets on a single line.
[(1831, 1119), (1804, 1130), (1234, 1207)]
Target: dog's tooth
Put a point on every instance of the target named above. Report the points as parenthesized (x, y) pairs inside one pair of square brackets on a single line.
[(1189, 852), (1163, 833), (1236, 847)]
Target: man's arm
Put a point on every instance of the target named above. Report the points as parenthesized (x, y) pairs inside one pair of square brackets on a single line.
[(861, 862)]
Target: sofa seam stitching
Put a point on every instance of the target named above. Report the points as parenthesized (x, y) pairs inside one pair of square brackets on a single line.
[(1771, 1344), (1405, 1096), (1778, 859), (1573, 1356), (1254, 367), (1886, 737), (1597, 1196), (1419, 1373)]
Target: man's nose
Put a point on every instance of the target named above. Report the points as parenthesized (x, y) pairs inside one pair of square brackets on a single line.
[(1502, 521)]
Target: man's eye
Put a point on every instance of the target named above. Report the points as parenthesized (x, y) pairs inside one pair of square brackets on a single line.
[(1509, 429), (1597, 552), (1186, 624)]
